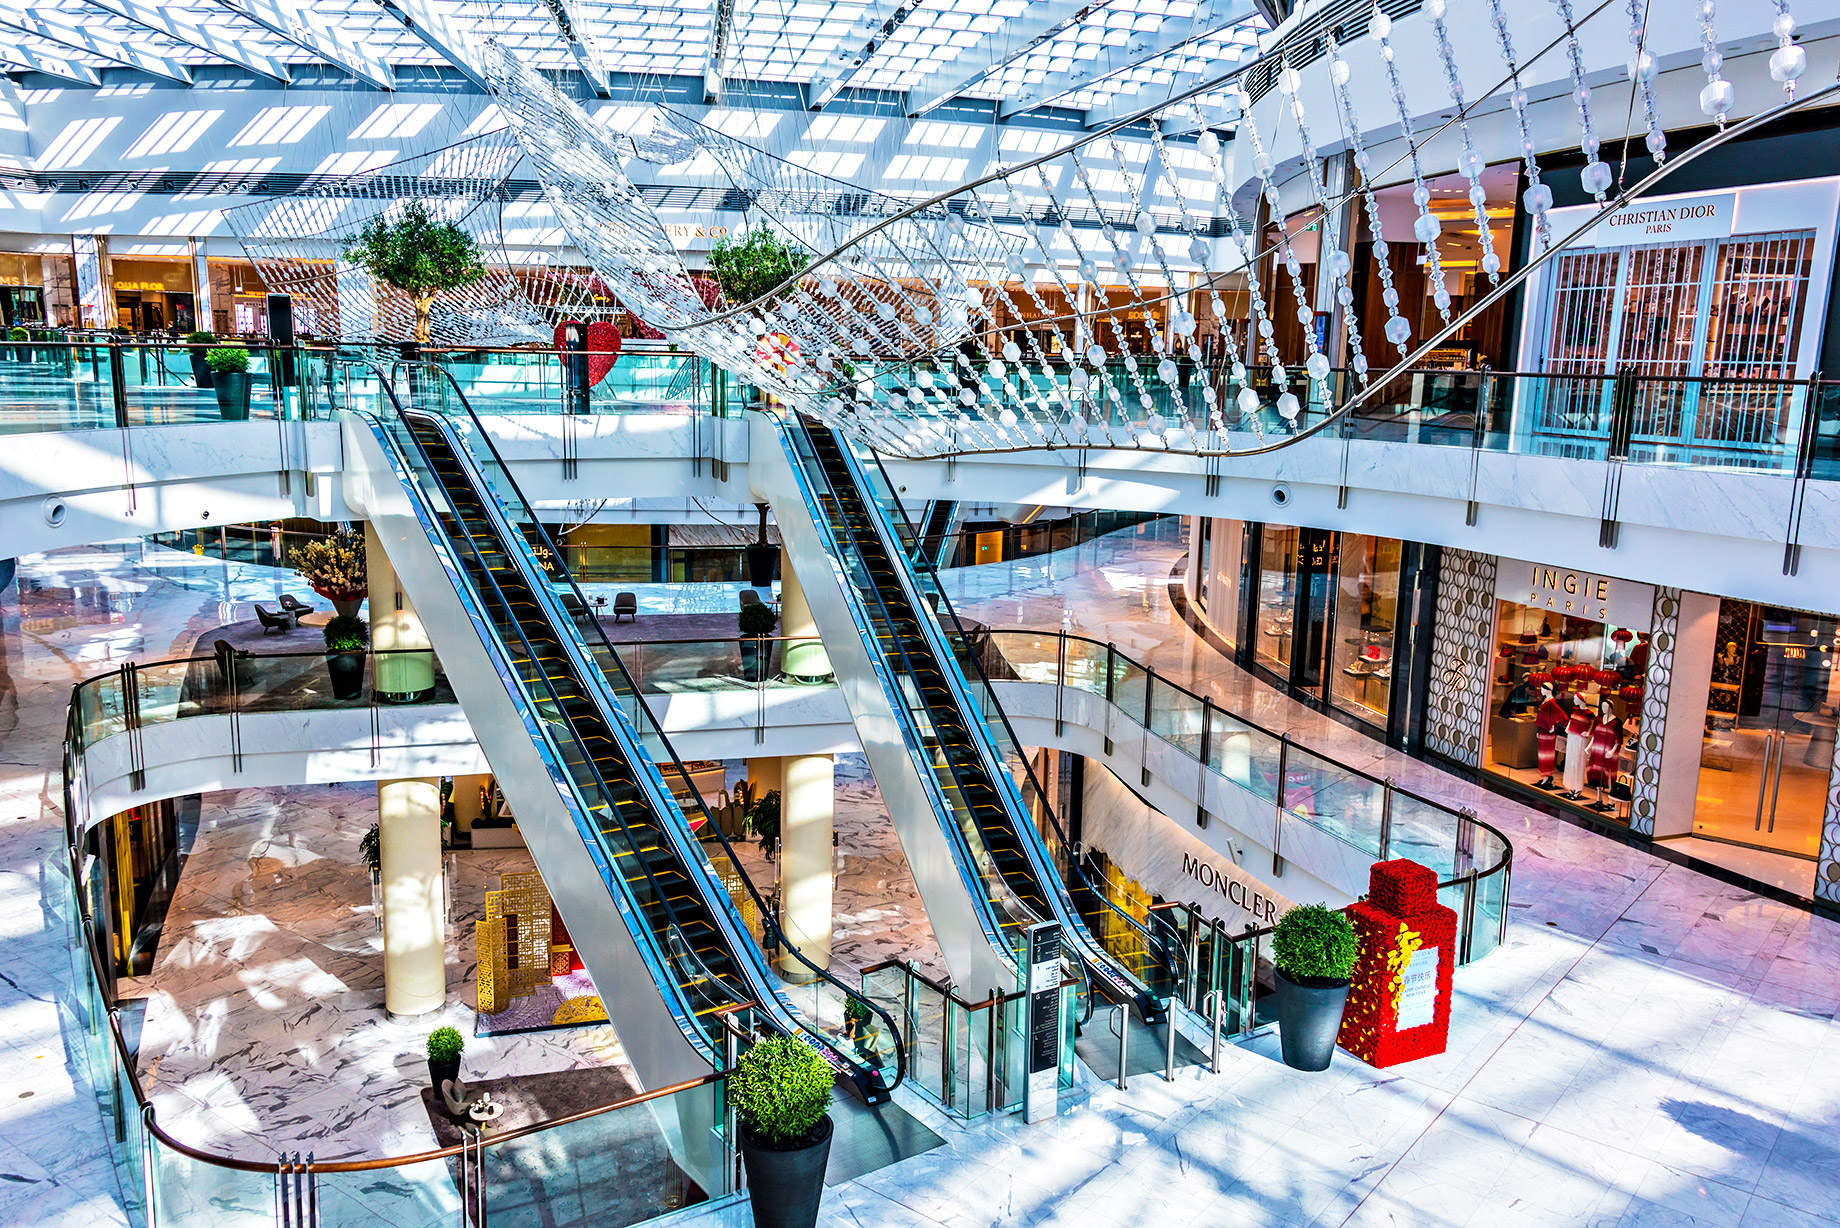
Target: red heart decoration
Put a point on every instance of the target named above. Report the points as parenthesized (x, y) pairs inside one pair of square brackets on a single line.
[(601, 339)]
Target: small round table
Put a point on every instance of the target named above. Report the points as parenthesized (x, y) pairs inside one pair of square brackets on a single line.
[(318, 618), (1816, 722)]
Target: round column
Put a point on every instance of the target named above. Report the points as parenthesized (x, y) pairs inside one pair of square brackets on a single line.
[(807, 797), (414, 927), (401, 665), (804, 658)]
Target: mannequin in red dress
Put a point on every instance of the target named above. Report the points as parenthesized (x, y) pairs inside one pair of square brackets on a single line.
[(1547, 723), (1606, 744), (1577, 744)]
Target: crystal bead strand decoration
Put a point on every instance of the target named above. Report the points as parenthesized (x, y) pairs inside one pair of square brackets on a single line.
[(1641, 71), (1788, 60), (1012, 353), (1288, 405), (1127, 262), (1596, 175), (1426, 227), (1095, 353), (1471, 161), (1083, 340), (1538, 198), (997, 367), (1389, 294), (1198, 251), (1246, 404), (1330, 246), (1070, 351), (1716, 99), (1147, 228)]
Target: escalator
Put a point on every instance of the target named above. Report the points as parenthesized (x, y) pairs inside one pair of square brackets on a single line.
[(930, 659), (938, 532), (656, 894)]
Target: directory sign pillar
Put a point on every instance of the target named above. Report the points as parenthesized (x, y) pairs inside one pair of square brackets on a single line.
[(1042, 1024)]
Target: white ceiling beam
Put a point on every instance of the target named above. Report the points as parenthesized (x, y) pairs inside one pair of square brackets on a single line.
[(175, 24), (856, 53), (1043, 20), (83, 40), (1126, 104), (1211, 17), (715, 59), (301, 25), (51, 66), (453, 42)]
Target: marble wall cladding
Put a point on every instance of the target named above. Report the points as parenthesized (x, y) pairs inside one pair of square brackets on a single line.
[(1462, 645), (1827, 869), (1664, 631)]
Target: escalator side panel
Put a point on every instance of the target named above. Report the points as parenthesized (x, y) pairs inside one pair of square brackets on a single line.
[(957, 922), (651, 1035)]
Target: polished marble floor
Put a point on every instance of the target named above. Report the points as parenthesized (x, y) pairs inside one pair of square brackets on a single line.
[(1650, 1047)]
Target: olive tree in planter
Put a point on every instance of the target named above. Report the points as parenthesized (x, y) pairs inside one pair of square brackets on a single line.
[(196, 345), (780, 1090), (444, 1048), (346, 636), (757, 621), (230, 376), (335, 567), (1314, 949), (759, 260), (763, 821), (422, 258)]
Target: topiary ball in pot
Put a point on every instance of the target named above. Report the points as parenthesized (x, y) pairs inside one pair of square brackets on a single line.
[(757, 621), (780, 1090), (346, 636), (1314, 948), (444, 1048)]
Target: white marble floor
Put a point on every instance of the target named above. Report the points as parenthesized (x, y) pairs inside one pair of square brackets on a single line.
[(1649, 1047)]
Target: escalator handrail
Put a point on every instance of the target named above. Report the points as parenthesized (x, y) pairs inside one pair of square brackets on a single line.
[(1174, 948), (969, 874), (930, 628), (564, 780), (544, 583)]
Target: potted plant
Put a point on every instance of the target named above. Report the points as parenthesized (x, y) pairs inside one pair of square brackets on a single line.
[(763, 821), (16, 351), (757, 621), (230, 377), (197, 344), (748, 267), (1314, 949), (780, 1090), (412, 253), (335, 567), (444, 1047), (370, 847), (346, 636)]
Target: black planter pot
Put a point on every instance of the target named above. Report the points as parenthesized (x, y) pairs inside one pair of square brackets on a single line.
[(756, 658), (761, 563), (347, 670), (1309, 1017), (201, 370), (437, 1071), (233, 395), (786, 1186)]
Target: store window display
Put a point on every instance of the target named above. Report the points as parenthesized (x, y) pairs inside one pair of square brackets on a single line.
[(1566, 706), (1366, 601), (1277, 609)]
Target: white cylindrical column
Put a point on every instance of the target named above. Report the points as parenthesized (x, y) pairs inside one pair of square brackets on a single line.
[(807, 797), (402, 668), (414, 932), (804, 659)]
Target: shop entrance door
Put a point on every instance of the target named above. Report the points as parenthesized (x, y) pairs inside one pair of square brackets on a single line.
[(1769, 747)]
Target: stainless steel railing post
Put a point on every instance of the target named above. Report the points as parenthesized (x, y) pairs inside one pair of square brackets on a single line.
[(1169, 1056), (1123, 1032)]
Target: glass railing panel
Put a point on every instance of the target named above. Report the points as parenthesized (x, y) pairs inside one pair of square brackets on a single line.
[(1129, 687), (100, 707), (1176, 717), (1335, 798), (54, 386), (1086, 665), (191, 1193), (161, 691), (1426, 833)]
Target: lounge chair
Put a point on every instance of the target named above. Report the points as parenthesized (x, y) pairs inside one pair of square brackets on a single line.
[(272, 621), (626, 604), (295, 606)]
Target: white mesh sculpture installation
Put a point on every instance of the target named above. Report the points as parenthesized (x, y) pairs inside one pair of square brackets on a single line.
[(905, 329)]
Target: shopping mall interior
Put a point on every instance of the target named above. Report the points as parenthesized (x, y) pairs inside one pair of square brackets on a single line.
[(925, 613)]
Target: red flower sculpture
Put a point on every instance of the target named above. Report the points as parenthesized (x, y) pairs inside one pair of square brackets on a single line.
[(601, 339)]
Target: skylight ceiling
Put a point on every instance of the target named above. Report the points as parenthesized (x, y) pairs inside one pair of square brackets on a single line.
[(1008, 49)]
